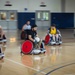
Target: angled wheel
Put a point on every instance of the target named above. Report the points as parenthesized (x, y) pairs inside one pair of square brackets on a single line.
[(23, 35), (47, 39), (27, 47)]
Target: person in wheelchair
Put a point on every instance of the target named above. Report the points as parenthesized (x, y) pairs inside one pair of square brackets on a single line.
[(27, 26), (55, 35), (2, 42), (33, 36), (25, 30)]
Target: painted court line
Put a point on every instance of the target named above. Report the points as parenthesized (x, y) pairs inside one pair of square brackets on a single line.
[(59, 68), (23, 65), (69, 62)]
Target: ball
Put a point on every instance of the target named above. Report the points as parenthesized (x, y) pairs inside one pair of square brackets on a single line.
[(37, 39)]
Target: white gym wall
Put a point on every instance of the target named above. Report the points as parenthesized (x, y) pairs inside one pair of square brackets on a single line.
[(32, 5), (70, 7)]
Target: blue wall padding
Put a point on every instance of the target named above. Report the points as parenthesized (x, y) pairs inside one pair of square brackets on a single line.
[(63, 20), (24, 17)]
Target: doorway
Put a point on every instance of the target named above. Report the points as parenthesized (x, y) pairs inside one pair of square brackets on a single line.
[(43, 19), (8, 19)]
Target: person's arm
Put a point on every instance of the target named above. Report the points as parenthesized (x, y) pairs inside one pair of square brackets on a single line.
[(36, 34), (30, 38), (23, 27), (48, 31), (58, 32), (4, 37), (3, 34)]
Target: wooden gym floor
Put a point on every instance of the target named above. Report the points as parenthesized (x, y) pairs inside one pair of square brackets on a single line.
[(58, 60)]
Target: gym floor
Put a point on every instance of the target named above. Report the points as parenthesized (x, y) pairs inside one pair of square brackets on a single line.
[(58, 60)]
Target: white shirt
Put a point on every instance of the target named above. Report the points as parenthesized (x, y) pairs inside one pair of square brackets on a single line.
[(27, 27)]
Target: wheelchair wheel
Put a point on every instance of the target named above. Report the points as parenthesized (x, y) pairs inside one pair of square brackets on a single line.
[(47, 39), (27, 47), (23, 35)]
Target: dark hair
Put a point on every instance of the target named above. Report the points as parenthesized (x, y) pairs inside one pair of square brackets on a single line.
[(53, 25), (33, 26)]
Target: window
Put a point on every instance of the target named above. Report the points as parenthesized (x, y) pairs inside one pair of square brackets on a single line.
[(45, 16), (3, 15), (12, 16), (39, 16)]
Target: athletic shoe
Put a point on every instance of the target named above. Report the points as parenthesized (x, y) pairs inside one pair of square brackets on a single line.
[(60, 42), (1, 56), (43, 50), (36, 51), (53, 43)]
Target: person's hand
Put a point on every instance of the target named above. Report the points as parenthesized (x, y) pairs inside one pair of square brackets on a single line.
[(37, 39), (35, 42), (36, 35)]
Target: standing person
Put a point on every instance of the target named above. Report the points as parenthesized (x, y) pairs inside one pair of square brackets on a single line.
[(2, 42)]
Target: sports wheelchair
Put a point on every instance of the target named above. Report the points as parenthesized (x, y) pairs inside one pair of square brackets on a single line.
[(49, 40), (27, 46)]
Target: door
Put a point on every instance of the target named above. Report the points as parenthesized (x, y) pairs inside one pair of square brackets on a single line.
[(8, 19), (43, 19), (12, 19), (3, 19)]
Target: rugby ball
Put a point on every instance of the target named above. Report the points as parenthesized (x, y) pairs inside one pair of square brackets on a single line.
[(37, 39)]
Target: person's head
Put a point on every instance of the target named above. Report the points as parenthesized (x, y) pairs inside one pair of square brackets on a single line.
[(34, 27), (53, 26), (28, 22)]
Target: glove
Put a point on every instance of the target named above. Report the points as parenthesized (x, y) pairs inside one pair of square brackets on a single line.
[(35, 42), (50, 35)]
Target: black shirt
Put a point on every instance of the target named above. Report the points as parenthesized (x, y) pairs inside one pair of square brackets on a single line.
[(32, 33)]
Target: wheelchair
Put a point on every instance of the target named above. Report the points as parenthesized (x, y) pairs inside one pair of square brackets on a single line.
[(2, 41), (23, 35), (48, 40), (27, 46)]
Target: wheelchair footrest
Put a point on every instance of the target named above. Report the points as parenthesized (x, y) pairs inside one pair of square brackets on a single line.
[(38, 51)]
